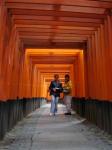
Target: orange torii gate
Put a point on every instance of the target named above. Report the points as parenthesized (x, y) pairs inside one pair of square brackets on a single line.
[(35, 34)]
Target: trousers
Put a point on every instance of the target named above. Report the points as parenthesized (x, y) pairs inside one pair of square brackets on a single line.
[(54, 103), (67, 101)]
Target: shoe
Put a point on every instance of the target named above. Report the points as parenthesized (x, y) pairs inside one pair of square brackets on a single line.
[(68, 113), (51, 114)]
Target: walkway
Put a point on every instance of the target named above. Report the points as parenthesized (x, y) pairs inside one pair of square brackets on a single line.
[(39, 131)]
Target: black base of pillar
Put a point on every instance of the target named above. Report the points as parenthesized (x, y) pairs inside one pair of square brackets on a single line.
[(96, 111), (12, 111)]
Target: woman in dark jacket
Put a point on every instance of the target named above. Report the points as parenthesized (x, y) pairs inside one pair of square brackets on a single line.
[(55, 89)]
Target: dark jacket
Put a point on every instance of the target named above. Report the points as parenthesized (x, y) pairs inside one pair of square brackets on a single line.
[(58, 85)]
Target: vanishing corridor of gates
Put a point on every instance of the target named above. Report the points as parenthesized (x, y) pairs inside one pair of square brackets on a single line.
[(39, 38), (47, 62)]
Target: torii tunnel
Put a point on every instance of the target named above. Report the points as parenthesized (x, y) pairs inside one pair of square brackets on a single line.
[(39, 38)]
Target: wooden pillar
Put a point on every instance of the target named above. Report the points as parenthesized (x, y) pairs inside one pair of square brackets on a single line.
[(109, 32), (89, 67), (86, 73), (21, 73), (108, 55), (10, 56), (79, 75), (98, 65), (93, 68), (104, 66), (72, 77), (34, 84), (39, 82), (2, 45)]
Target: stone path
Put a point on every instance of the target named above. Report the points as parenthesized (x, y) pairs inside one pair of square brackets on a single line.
[(40, 131)]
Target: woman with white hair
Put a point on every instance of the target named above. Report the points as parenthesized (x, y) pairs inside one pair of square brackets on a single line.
[(67, 90)]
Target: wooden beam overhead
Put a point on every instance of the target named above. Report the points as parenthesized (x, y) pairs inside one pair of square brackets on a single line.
[(32, 17), (53, 62), (55, 23), (76, 19), (75, 31), (73, 39), (50, 7), (53, 71), (31, 43), (29, 6), (48, 34), (58, 31), (83, 3), (50, 18), (56, 13), (54, 58), (43, 60), (71, 28)]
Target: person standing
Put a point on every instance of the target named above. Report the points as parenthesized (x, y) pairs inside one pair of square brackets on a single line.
[(55, 89), (67, 90)]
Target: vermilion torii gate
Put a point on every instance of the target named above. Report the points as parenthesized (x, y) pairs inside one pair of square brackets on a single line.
[(35, 34)]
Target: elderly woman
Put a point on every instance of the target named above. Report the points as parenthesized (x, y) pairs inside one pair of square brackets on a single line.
[(67, 90)]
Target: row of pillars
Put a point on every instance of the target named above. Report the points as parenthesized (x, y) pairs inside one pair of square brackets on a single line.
[(95, 111), (12, 111), (98, 62), (16, 77)]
